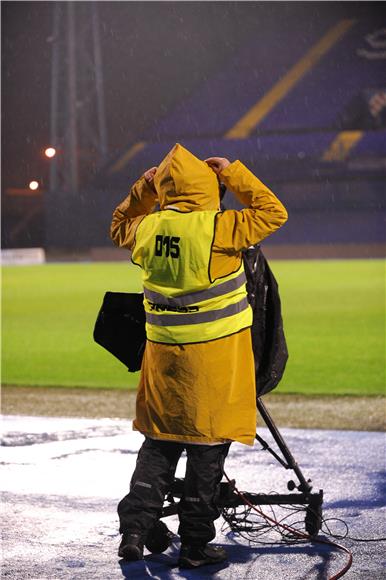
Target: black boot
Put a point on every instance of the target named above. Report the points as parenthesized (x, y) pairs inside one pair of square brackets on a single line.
[(159, 538), (193, 556), (131, 547)]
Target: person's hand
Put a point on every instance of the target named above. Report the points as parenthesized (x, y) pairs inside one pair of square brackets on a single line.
[(149, 177), (217, 163), (149, 174)]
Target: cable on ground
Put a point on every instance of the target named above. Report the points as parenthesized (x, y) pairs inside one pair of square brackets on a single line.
[(292, 535)]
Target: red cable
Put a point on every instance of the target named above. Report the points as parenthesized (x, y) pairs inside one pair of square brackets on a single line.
[(297, 533)]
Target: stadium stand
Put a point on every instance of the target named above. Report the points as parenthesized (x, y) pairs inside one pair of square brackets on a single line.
[(306, 112)]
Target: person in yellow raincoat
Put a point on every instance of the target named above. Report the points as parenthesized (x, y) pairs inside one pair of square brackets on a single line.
[(197, 381)]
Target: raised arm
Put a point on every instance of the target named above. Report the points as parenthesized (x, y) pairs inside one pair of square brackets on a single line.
[(238, 230), (264, 214), (141, 201)]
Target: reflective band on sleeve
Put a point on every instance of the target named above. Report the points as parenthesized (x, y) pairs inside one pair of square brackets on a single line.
[(196, 317), (199, 296), (142, 484)]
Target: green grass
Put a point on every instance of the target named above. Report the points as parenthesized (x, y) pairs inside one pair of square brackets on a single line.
[(333, 317)]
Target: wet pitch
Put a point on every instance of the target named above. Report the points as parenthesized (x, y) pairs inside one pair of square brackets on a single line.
[(62, 479)]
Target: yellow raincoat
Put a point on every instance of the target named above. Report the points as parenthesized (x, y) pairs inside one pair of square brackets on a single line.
[(203, 392)]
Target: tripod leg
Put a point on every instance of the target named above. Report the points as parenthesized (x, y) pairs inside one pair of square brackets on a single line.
[(304, 486)]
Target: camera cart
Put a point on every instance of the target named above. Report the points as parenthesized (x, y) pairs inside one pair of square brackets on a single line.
[(229, 498)]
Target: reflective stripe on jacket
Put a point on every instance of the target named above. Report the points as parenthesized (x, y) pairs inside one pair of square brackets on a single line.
[(182, 304)]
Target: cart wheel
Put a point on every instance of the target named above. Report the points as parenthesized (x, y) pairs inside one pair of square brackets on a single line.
[(313, 519)]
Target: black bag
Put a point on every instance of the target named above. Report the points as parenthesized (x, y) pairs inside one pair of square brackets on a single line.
[(120, 327)]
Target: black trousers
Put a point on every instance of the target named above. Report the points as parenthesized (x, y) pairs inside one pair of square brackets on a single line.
[(154, 473)]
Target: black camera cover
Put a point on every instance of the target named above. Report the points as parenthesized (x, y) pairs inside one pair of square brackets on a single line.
[(120, 327)]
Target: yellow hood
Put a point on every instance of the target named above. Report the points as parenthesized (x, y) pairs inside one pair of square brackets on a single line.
[(186, 183)]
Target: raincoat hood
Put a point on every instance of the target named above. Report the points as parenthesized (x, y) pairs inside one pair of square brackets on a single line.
[(186, 183)]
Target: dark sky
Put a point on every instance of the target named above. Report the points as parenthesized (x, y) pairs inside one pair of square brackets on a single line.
[(154, 54)]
